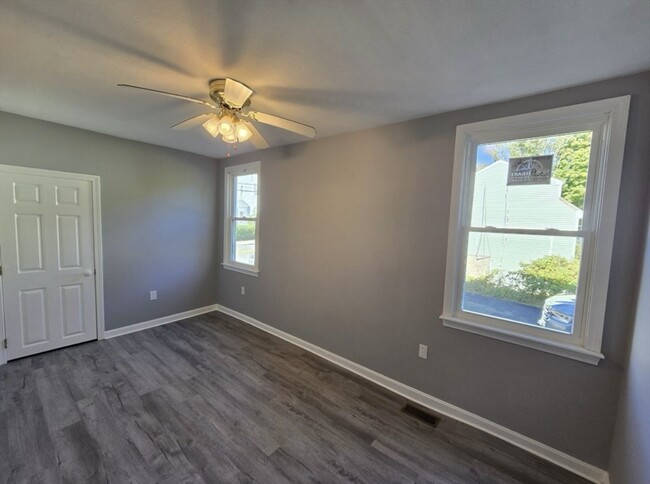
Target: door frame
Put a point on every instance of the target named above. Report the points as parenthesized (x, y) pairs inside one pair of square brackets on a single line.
[(97, 245)]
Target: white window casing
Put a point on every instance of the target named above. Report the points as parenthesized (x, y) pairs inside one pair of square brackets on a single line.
[(607, 119), (230, 218)]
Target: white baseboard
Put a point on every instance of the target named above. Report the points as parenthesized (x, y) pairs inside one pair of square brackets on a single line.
[(557, 457), (112, 333)]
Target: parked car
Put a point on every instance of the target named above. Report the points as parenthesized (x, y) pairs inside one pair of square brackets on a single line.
[(558, 313)]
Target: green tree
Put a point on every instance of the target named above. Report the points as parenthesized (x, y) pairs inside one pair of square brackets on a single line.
[(572, 163), (521, 147)]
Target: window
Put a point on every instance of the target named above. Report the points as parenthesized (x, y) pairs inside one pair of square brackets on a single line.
[(532, 226), (241, 220)]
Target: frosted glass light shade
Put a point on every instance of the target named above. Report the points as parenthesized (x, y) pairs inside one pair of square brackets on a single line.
[(243, 131), (212, 127)]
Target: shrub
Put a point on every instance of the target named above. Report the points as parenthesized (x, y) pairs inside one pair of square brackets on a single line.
[(501, 285), (245, 231), (534, 282), (549, 276)]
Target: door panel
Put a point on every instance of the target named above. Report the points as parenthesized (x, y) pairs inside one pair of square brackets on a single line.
[(27, 192), (67, 195), (47, 250), (72, 309), (33, 316), (68, 231), (29, 243)]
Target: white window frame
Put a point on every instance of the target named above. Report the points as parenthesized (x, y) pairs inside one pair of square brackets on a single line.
[(608, 121), (230, 218)]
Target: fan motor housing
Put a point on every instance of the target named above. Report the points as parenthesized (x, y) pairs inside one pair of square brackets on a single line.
[(217, 87)]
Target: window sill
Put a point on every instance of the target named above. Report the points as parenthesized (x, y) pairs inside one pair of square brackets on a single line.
[(243, 270), (567, 350)]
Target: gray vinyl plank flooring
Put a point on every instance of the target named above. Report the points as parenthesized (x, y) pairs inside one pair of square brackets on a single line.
[(213, 400)]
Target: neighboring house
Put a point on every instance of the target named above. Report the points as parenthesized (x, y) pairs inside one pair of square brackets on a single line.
[(247, 196), (243, 207), (498, 205)]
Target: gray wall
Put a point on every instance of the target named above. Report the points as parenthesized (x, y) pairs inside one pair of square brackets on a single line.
[(353, 246), (630, 461), (158, 214)]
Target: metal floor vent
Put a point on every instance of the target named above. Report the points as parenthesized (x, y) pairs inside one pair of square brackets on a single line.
[(421, 414)]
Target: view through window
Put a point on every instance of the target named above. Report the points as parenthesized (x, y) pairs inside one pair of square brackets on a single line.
[(520, 188), (245, 218)]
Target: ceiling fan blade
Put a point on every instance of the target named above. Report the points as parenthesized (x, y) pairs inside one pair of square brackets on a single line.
[(193, 121), (257, 139), (171, 94), (283, 123), (235, 93)]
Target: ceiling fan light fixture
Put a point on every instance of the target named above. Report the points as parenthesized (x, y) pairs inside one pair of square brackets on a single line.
[(212, 127), (243, 131), (224, 120), (226, 125)]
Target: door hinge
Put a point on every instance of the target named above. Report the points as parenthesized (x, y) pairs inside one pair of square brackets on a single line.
[(0, 270), (4, 343)]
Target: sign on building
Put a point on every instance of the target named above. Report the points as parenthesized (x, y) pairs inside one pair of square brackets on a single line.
[(530, 170)]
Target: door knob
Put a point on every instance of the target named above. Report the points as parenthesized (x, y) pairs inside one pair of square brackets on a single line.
[(88, 273)]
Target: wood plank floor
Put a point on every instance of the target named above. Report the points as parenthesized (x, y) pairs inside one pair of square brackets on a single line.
[(213, 400)]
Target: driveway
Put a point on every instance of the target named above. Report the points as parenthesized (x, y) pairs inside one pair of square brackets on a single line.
[(500, 308)]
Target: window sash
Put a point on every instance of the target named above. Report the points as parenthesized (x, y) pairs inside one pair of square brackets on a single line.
[(499, 230), (550, 128), (594, 124), (233, 241), (576, 337)]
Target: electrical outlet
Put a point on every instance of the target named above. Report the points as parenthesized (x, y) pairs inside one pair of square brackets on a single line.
[(153, 295), (423, 351), (243, 290)]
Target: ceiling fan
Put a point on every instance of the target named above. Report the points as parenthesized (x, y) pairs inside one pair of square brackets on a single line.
[(226, 116)]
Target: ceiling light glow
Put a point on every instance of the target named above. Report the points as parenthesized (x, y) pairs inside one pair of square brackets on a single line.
[(229, 138), (227, 125)]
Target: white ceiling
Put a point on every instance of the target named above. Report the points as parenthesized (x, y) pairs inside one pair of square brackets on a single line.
[(339, 65)]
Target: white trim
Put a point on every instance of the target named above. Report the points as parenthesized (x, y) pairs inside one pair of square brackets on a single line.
[(608, 121), (243, 270), (132, 328), (539, 449), (230, 172), (543, 344), (99, 258), (95, 184)]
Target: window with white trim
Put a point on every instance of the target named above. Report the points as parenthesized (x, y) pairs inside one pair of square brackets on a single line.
[(241, 218), (532, 226)]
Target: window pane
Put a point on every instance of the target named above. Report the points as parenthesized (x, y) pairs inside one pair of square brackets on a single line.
[(246, 196), (528, 279), (534, 183), (244, 242)]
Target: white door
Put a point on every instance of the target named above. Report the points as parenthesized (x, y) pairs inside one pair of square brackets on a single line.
[(47, 253)]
